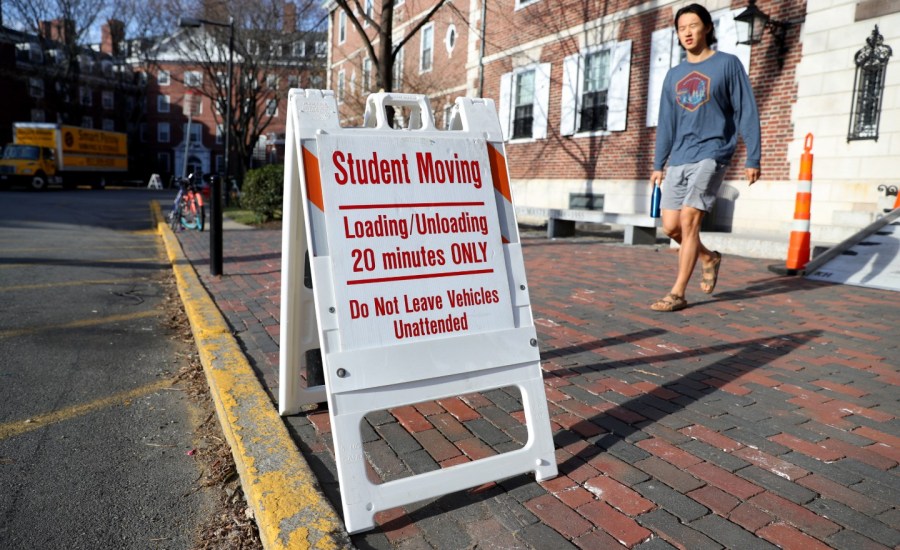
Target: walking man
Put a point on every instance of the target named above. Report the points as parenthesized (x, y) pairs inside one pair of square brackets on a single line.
[(706, 101)]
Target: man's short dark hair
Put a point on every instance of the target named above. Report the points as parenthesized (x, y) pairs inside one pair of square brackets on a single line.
[(705, 18)]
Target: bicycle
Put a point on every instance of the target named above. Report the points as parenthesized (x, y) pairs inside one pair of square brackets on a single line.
[(188, 211)]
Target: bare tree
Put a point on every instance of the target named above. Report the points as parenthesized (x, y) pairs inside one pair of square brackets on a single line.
[(267, 57), (379, 44)]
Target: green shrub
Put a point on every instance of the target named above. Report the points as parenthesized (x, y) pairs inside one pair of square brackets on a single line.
[(263, 191)]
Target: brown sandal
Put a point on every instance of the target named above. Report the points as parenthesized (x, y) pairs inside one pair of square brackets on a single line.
[(671, 302), (710, 273)]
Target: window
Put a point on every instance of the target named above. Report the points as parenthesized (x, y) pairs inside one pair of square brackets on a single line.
[(86, 95), (369, 10), (342, 27), (36, 87), (163, 78), (272, 81), (321, 49), (367, 74), (340, 87), (162, 132), (220, 164), (665, 53), (868, 88), (193, 79), (107, 98), (593, 97), (524, 98), (109, 124), (450, 38), (252, 46), (298, 49), (426, 50), (162, 104), (38, 115), (595, 89), (220, 134), (196, 132), (293, 81), (29, 53), (106, 67), (272, 107), (523, 3), (87, 122), (162, 160), (523, 105)]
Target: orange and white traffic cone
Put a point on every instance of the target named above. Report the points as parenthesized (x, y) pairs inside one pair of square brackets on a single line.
[(798, 249)]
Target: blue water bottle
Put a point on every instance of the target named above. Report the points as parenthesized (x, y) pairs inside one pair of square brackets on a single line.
[(654, 201)]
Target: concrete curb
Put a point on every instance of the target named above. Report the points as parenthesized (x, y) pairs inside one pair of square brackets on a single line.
[(282, 491)]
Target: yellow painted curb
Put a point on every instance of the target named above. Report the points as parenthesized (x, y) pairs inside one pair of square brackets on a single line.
[(290, 509)]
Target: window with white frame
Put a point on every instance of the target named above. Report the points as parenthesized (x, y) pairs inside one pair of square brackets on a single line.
[(272, 81), (524, 98), (340, 87), (196, 132), (252, 46), (342, 27), (193, 79), (36, 87), (109, 124), (293, 81), (272, 107), (163, 133), (450, 38), (86, 95), (220, 134), (163, 78), (367, 74), (162, 104), (665, 53), (523, 3), (595, 89), (426, 48), (321, 49), (87, 122), (107, 98), (298, 49), (369, 10)]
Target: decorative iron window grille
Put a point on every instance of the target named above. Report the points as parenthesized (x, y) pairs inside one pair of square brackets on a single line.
[(868, 88)]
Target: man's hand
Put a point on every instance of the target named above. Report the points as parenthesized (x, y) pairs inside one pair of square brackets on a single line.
[(656, 177), (752, 175)]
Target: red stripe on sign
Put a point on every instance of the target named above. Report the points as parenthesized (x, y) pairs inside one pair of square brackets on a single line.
[(313, 179), (421, 276), (498, 172), (407, 205)]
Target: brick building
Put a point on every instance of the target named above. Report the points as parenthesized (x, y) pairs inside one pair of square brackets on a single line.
[(47, 78), (577, 84), (189, 68)]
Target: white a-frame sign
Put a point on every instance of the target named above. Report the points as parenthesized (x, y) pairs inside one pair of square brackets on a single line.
[(401, 264)]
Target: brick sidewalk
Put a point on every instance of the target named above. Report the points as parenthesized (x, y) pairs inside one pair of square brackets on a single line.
[(764, 416)]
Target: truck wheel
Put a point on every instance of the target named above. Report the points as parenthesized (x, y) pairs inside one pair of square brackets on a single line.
[(38, 182)]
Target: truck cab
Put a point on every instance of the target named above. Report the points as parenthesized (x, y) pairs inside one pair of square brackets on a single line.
[(30, 165)]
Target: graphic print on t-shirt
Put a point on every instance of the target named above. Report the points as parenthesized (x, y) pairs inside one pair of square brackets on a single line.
[(692, 91)]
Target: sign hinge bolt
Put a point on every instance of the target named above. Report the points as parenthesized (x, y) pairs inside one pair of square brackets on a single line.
[(341, 373), (533, 342)]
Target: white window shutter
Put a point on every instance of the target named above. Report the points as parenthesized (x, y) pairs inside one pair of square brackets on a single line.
[(617, 96), (541, 100), (726, 33), (660, 63), (503, 108), (570, 94)]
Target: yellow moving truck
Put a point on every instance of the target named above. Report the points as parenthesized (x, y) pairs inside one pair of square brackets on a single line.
[(42, 154)]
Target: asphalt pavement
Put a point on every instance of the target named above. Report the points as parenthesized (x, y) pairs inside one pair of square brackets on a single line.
[(763, 416), (96, 435)]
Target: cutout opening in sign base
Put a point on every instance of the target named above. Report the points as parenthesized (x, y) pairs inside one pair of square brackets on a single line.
[(418, 289)]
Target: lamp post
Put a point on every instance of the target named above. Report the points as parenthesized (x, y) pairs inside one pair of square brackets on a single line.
[(215, 233)]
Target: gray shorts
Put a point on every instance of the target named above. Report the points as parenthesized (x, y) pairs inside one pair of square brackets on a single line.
[(694, 185)]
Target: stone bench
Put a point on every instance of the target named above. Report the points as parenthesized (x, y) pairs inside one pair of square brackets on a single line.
[(639, 228)]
